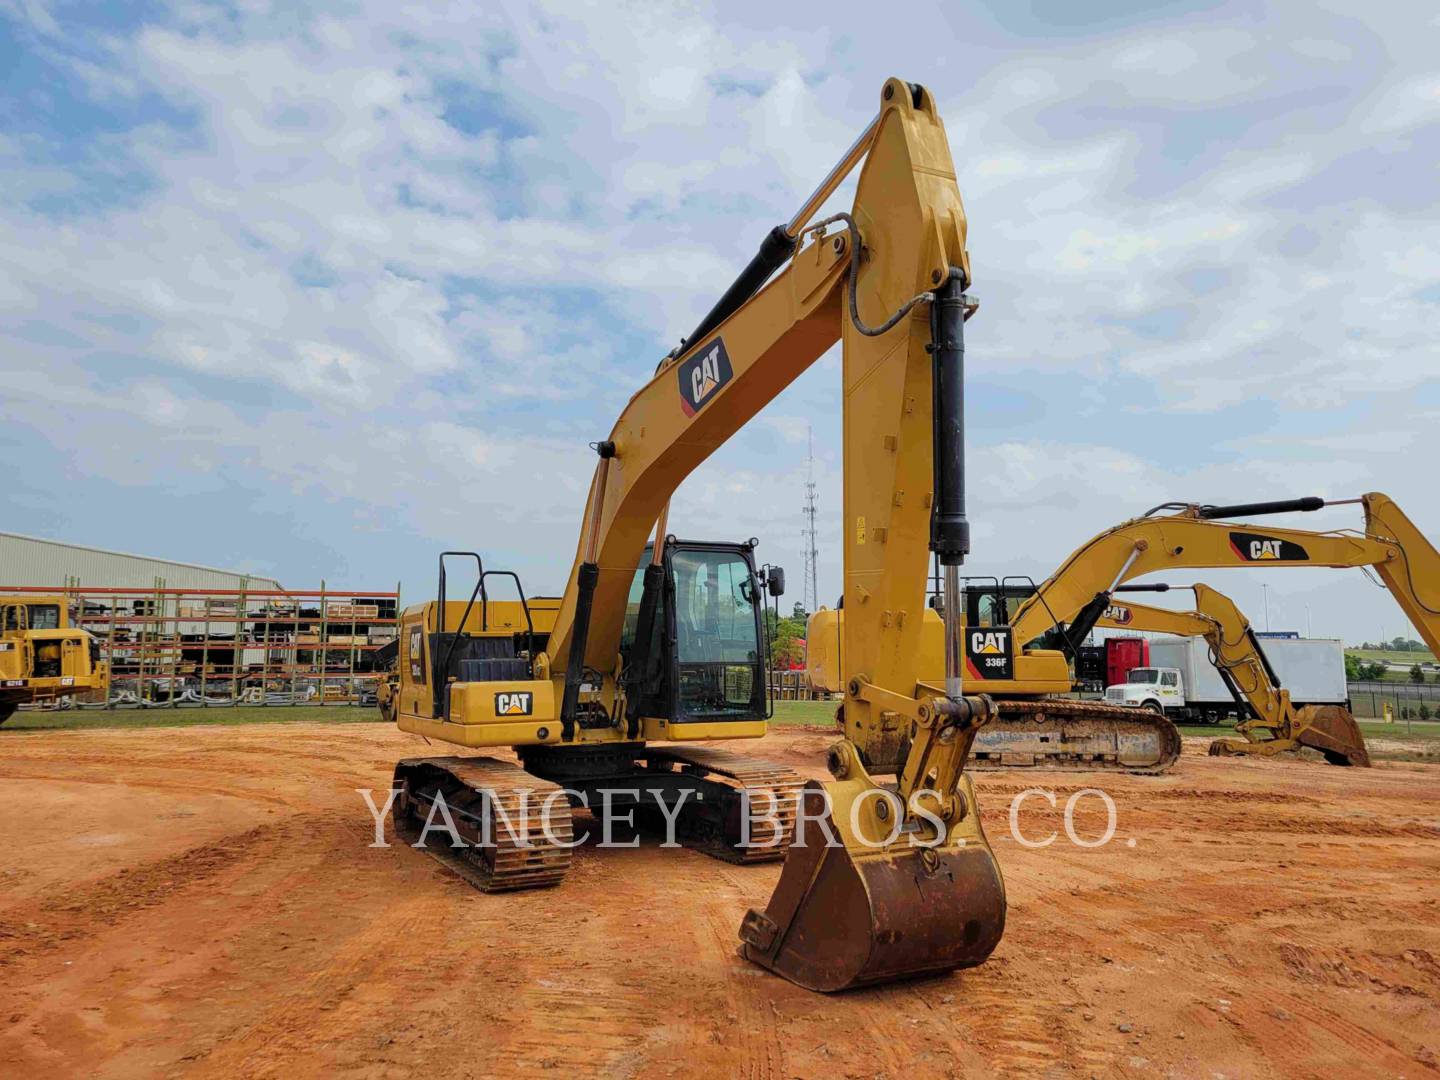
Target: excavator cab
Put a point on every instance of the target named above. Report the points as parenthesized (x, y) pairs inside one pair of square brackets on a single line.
[(699, 659), (703, 659)]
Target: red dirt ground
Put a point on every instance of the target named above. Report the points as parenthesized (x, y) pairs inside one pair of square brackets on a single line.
[(203, 902)]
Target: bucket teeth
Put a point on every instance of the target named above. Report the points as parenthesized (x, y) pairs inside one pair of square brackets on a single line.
[(847, 914)]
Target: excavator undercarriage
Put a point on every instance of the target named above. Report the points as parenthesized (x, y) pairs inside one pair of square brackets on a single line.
[(517, 821), (1067, 733)]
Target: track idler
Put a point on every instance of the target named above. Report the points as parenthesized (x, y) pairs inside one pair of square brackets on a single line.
[(870, 896)]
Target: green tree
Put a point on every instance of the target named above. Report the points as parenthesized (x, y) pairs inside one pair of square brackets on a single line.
[(1423, 712), (785, 635), (1416, 675), (1358, 670)]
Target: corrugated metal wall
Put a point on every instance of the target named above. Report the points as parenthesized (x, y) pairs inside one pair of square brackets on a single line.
[(25, 560)]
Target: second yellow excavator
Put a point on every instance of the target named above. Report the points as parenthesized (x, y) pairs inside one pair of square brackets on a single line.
[(1020, 637), (1274, 725)]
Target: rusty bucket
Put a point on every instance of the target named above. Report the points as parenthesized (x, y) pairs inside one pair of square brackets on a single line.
[(847, 912), (1333, 731)]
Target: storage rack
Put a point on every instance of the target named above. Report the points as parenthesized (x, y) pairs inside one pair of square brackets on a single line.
[(217, 647)]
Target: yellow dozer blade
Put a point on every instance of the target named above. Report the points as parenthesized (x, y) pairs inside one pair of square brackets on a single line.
[(858, 902)]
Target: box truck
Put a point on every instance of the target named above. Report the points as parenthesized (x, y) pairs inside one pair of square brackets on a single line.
[(1181, 681)]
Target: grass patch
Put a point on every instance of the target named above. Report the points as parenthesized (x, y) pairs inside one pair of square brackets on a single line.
[(86, 719), (787, 713), (790, 713)]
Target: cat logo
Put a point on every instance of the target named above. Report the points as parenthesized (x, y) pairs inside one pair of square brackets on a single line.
[(703, 374), (1118, 613), (988, 654), (514, 703), (987, 641), (1256, 547)]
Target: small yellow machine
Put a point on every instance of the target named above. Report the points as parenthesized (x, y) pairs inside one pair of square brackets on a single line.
[(662, 643), (1019, 636), (43, 656)]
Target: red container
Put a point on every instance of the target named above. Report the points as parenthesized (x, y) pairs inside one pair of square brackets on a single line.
[(1123, 654)]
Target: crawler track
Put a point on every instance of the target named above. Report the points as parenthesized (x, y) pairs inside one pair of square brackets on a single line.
[(765, 793), (1063, 733), (500, 811)]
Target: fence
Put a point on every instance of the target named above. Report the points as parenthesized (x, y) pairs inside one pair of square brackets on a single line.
[(217, 647), (792, 686), (1368, 699)]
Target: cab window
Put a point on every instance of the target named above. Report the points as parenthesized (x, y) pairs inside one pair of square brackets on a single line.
[(44, 616), (1169, 678), (714, 608), (991, 610), (632, 608)]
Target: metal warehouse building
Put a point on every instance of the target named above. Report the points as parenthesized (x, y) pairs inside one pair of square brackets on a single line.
[(29, 561)]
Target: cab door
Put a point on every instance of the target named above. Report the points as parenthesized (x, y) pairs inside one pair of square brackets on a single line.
[(1172, 694), (416, 697), (14, 648)]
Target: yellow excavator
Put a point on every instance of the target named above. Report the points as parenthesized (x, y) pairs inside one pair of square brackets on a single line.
[(43, 656), (1019, 635), (656, 649), (1274, 725)]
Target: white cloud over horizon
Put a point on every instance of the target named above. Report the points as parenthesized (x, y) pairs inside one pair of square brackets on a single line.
[(325, 289)]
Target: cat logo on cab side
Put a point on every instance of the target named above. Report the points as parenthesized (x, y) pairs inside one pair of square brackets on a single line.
[(514, 703), (989, 653)]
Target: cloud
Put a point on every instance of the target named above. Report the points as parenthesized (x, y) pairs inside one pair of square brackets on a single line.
[(376, 279)]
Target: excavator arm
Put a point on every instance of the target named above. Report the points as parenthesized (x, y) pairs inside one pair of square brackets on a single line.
[(1276, 725), (1198, 537), (885, 884)]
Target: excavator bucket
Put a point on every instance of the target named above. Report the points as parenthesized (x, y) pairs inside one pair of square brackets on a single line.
[(1333, 731), (857, 905)]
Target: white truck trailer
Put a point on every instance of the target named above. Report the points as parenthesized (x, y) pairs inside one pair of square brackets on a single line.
[(1182, 682)]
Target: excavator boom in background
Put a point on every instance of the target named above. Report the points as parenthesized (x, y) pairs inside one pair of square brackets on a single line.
[(1035, 628), (1274, 725), (664, 642)]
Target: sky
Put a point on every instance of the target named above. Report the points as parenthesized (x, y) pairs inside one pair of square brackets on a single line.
[(317, 291)]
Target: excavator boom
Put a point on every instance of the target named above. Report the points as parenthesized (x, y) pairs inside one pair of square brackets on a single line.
[(1276, 725), (1013, 629)]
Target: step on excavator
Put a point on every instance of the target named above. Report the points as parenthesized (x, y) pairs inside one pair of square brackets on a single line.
[(656, 649), (1021, 638), (1274, 725)]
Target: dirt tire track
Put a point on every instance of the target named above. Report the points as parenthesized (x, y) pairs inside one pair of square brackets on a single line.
[(1274, 919)]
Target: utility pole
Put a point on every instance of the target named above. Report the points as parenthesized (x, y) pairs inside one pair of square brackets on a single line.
[(1265, 592), (811, 593)]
